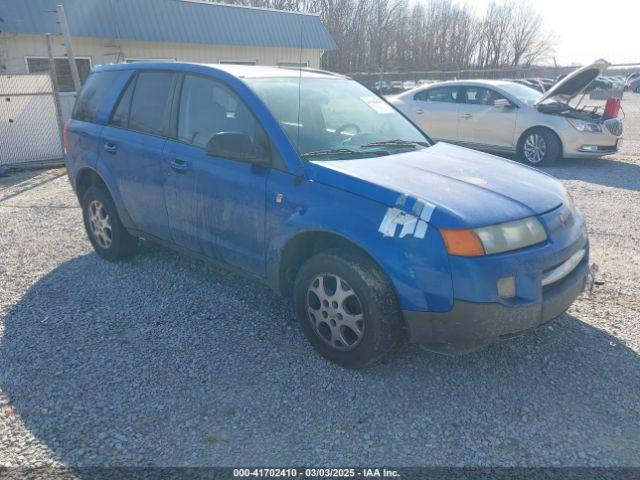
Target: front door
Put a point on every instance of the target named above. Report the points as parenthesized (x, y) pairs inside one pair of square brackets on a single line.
[(216, 206)]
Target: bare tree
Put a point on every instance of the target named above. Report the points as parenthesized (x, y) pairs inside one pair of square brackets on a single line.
[(377, 35)]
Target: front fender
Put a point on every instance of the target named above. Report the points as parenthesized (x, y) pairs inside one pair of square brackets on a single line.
[(418, 268)]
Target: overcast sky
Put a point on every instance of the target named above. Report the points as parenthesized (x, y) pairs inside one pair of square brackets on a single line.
[(588, 29)]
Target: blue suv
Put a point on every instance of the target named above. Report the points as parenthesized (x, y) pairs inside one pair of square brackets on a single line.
[(313, 184)]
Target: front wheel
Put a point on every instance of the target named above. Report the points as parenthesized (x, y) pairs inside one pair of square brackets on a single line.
[(538, 147), (347, 308)]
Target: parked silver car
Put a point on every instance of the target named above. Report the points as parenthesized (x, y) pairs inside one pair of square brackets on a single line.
[(507, 117)]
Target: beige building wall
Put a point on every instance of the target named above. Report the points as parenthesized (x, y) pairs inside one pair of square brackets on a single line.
[(14, 50)]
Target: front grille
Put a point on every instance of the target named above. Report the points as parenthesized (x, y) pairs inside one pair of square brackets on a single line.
[(614, 126)]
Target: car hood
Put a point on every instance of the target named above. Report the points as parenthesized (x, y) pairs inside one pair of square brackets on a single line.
[(465, 187), (574, 84)]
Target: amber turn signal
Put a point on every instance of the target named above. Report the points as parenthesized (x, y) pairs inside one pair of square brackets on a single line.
[(461, 241)]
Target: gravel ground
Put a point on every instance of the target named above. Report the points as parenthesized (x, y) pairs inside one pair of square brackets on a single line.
[(162, 360)]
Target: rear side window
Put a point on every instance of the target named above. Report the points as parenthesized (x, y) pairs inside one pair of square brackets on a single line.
[(93, 92), (443, 95), (120, 117), (150, 102)]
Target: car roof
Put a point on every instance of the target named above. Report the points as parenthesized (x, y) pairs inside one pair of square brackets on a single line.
[(488, 83), (455, 83), (240, 71)]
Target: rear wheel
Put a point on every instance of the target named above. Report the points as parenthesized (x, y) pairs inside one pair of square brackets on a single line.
[(108, 236), (539, 146), (347, 308)]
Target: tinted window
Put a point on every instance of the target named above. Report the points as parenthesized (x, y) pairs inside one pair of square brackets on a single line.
[(92, 94), (442, 94), (208, 107), (480, 96), (120, 117), (150, 102)]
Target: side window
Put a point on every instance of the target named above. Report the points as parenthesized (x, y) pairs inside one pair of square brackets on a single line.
[(208, 107), (421, 96), (441, 94), (150, 102), (120, 117), (480, 96), (92, 94)]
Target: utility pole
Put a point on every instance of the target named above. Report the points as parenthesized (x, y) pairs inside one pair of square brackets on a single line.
[(64, 26), (54, 81)]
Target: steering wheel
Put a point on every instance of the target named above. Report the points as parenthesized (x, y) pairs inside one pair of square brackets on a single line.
[(345, 126)]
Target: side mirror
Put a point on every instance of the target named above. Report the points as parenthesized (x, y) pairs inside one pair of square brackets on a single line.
[(502, 103), (236, 146)]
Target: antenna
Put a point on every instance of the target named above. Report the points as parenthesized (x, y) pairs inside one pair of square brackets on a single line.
[(299, 86)]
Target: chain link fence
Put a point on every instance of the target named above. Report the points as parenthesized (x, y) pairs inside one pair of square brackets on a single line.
[(30, 125), (395, 82)]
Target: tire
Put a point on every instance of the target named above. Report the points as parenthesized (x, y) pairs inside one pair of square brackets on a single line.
[(364, 292), (539, 146), (106, 233)]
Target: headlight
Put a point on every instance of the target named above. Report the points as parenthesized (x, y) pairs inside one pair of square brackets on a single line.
[(499, 238), (584, 126)]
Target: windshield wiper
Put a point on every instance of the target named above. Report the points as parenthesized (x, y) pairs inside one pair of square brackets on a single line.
[(340, 152), (395, 143)]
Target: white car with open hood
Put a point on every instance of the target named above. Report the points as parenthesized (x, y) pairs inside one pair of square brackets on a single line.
[(507, 117)]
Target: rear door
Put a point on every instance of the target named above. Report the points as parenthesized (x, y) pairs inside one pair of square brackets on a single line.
[(83, 131), (436, 111), (482, 123), (216, 205), (132, 145)]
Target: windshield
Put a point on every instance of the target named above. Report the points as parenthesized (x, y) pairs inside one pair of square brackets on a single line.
[(523, 93), (338, 118)]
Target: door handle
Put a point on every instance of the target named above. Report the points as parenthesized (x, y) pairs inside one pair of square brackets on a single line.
[(179, 165), (110, 147), (419, 111), (467, 115)]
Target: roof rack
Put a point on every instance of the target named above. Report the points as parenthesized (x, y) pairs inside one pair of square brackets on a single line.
[(312, 70)]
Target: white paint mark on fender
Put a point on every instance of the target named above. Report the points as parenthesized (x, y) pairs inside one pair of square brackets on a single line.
[(416, 225)]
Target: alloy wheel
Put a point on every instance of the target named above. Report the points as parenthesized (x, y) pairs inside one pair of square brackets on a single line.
[(335, 312), (535, 148), (100, 224)]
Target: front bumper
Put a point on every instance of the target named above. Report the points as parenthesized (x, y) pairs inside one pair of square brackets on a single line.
[(589, 145), (472, 325)]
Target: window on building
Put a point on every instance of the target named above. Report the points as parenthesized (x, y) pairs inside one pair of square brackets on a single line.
[(92, 93), (208, 107), (63, 70), (150, 102), (238, 62)]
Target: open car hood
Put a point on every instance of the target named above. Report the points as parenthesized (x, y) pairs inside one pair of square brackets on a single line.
[(574, 84)]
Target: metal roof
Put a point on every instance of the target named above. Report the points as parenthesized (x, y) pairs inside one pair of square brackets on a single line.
[(168, 21)]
